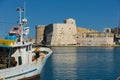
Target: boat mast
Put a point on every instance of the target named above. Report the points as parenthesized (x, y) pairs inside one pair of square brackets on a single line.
[(20, 10), (22, 20)]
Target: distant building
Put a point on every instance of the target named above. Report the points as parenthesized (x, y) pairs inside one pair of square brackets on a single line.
[(116, 32), (107, 30), (61, 33)]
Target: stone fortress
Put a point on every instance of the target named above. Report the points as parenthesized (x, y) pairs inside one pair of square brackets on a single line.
[(67, 33)]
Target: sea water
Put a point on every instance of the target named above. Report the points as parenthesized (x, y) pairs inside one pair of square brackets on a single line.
[(82, 63)]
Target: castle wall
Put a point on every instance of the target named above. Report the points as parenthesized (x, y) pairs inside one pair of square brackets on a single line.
[(48, 34), (99, 41), (39, 33), (96, 39), (63, 34)]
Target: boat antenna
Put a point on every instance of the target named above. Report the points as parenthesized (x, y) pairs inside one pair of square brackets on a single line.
[(20, 10), (24, 9), (24, 20)]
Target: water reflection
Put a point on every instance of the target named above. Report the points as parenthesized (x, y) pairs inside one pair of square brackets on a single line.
[(62, 64), (96, 63), (117, 61), (65, 62), (82, 63)]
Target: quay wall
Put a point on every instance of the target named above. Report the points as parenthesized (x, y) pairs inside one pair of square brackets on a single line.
[(96, 41)]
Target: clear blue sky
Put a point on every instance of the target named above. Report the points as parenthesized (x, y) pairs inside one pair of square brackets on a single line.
[(92, 14)]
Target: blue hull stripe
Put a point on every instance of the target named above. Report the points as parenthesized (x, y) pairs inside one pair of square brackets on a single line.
[(21, 74)]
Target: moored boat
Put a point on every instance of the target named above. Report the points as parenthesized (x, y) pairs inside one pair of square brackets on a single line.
[(18, 59)]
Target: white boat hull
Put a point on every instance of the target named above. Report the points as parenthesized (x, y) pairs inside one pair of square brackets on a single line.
[(26, 70)]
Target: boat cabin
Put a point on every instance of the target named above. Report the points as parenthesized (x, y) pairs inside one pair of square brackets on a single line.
[(14, 56)]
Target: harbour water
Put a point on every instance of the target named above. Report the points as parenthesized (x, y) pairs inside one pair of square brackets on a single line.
[(82, 63)]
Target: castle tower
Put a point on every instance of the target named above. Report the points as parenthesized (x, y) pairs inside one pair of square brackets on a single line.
[(39, 33), (61, 33)]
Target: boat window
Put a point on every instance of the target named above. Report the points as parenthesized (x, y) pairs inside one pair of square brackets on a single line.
[(13, 50), (26, 48), (18, 40), (20, 60), (4, 51), (29, 47), (1, 49), (7, 50)]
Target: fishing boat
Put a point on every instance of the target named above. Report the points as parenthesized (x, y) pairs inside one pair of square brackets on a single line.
[(18, 58)]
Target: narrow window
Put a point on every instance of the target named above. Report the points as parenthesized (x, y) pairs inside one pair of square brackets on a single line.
[(29, 47), (20, 60), (26, 48)]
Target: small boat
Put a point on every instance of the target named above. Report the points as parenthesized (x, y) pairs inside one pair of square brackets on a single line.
[(18, 58)]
